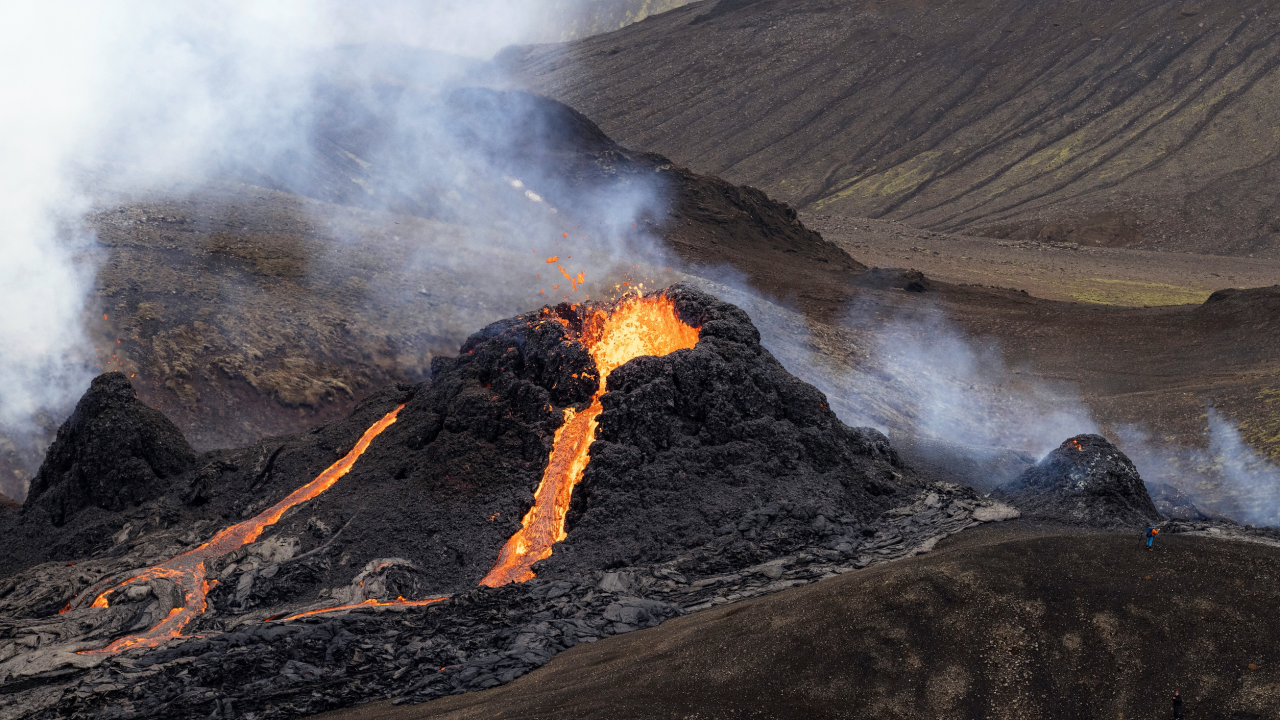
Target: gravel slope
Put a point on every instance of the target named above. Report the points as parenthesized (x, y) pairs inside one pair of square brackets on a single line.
[(1014, 621)]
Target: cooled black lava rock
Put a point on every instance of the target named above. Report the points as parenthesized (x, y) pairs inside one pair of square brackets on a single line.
[(113, 452), (449, 482), (695, 444), (1173, 503), (1086, 481), (715, 475)]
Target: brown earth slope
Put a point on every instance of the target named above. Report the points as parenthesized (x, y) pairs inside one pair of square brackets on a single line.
[(1147, 123), (1000, 622)]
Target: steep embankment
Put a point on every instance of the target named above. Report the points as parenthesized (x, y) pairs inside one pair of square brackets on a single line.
[(1000, 623), (1147, 123)]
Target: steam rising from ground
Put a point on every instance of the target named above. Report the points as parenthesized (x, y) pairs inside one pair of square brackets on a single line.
[(917, 374), (961, 390), (125, 100), (903, 371), (1228, 477)]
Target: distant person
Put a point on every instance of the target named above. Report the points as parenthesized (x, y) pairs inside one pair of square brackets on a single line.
[(1152, 532), (1177, 704)]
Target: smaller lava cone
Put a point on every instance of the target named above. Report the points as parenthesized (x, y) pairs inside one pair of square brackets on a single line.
[(112, 452), (1086, 481)]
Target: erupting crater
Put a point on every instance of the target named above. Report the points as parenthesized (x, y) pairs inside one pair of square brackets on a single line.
[(633, 327), (187, 570)]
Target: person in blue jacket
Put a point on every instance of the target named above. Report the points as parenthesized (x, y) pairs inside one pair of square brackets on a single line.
[(1152, 532)]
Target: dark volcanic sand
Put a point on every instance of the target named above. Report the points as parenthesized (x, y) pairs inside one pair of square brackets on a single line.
[(1011, 621)]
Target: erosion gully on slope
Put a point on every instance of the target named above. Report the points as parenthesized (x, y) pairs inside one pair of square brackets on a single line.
[(634, 327)]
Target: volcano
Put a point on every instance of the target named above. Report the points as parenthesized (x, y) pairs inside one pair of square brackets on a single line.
[(574, 472), (1085, 481)]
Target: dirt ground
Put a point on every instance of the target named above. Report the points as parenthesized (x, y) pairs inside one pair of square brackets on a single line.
[(1051, 270), (1001, 622), (1146, 124)]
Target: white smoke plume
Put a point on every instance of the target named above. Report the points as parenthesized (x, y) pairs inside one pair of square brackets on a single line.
[(960, 389), (917, 373), (1227, 477), (142, 97)]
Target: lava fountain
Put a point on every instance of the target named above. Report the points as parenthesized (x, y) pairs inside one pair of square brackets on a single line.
[(187, 570), (634, 327)]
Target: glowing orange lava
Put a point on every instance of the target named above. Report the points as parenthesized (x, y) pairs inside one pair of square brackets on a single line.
[(398, 602), (187, 570), (635, 327)]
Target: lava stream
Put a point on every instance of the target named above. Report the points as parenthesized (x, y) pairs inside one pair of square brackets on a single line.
[(636, 326), (187, 570), (371, 602)]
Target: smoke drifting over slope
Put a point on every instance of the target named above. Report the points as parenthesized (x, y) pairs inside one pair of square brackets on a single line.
[(141, 100), (904, 369)]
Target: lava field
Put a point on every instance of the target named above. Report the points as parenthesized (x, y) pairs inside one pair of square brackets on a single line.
[(573, 473)]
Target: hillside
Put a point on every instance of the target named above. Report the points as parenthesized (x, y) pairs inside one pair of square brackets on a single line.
[(281, 293), (1148, 124), (1000, 622)]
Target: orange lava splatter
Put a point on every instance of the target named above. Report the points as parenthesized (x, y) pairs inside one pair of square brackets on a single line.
[(1078, 445), (634, 327), (188, 569), (553, 259)]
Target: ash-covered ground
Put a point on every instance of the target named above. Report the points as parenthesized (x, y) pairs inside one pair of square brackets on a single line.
[(715, 475)]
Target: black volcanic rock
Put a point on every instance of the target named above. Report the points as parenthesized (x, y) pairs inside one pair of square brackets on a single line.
[(716, 449), (1085, 481), (1173, 503), (715, 441), (715, 476), (113, 452)]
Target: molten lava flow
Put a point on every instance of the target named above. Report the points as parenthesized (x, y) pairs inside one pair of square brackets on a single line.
[(637, 326), (187, 570), (398, 602)]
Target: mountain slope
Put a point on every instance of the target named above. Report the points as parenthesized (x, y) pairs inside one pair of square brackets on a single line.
[(997, 623), (1146, 123), (267, 304)]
